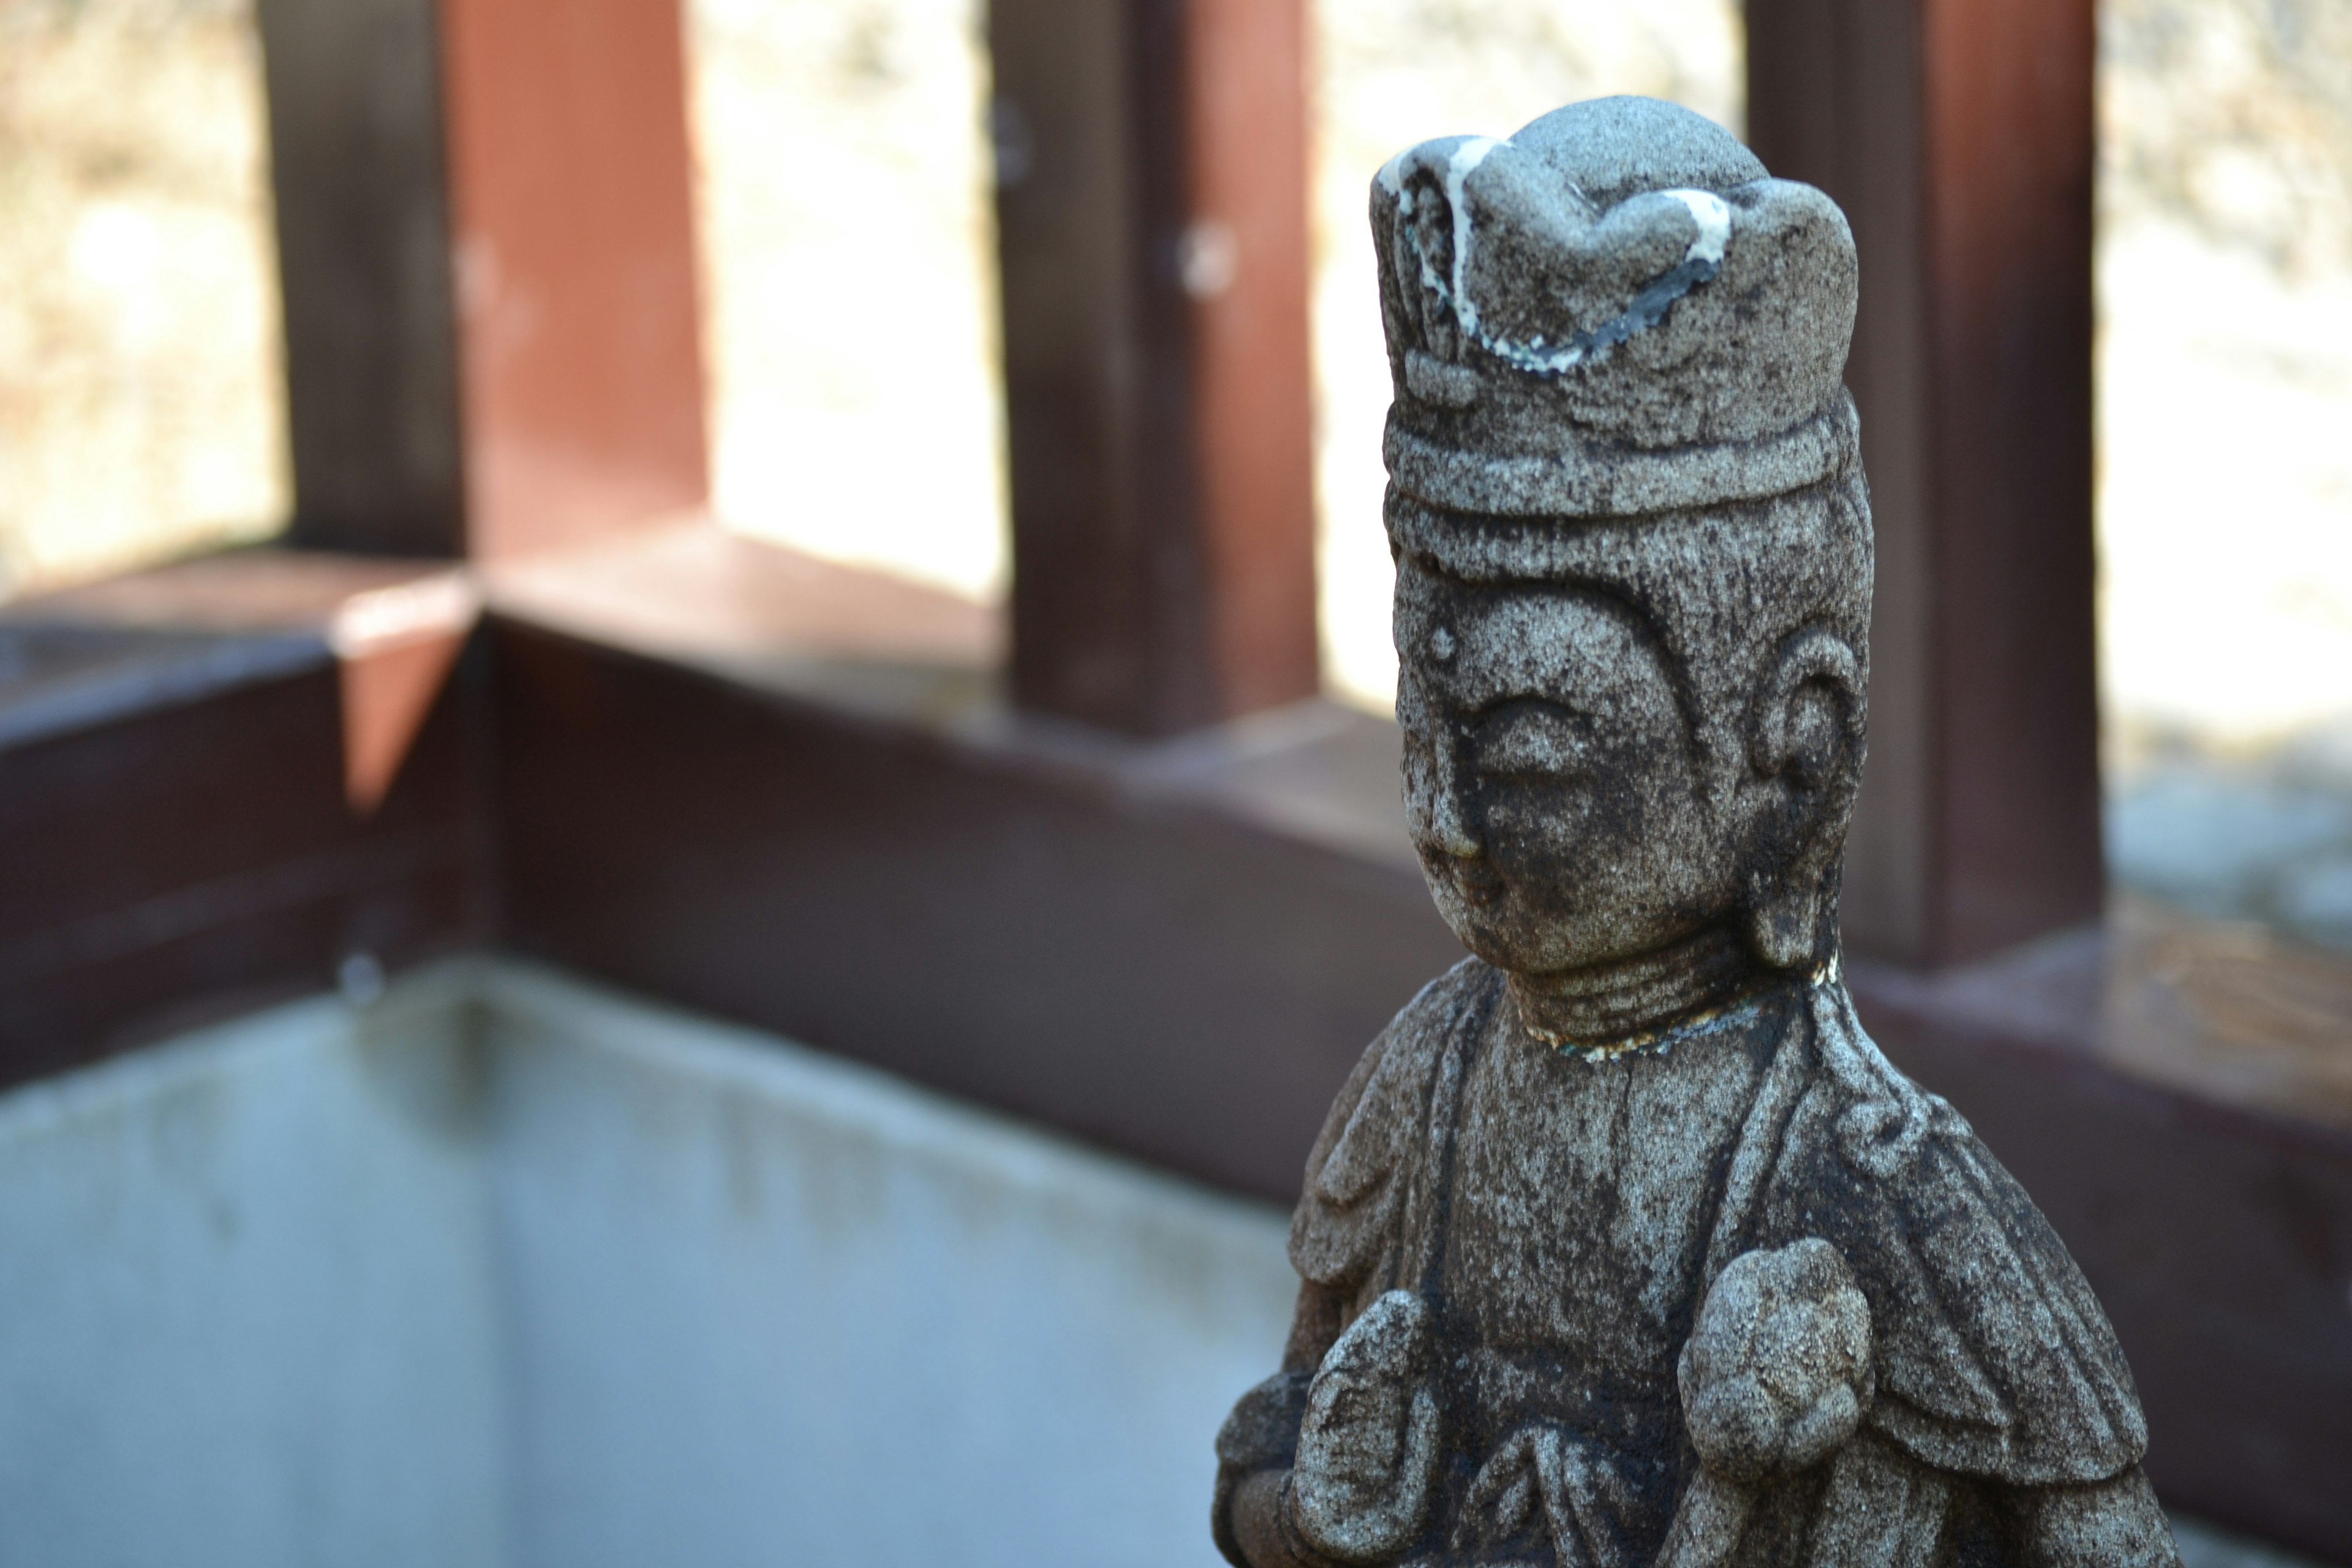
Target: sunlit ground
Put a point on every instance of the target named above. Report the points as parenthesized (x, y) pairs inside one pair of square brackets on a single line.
[(2225, 432), (2226, 410), (851, 335)]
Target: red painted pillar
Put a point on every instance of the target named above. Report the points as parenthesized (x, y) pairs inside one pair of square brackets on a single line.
[(1957, 135), (573, 239), (487, 242)]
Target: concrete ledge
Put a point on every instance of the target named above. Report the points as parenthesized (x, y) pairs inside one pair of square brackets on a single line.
[(502, 1269)]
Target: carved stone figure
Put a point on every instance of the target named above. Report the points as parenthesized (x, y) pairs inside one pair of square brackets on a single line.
[(1624, 1245)]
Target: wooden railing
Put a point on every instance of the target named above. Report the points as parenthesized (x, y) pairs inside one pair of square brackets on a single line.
[(669, 758)]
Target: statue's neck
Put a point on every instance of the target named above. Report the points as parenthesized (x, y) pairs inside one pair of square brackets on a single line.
[(1625, 1002)]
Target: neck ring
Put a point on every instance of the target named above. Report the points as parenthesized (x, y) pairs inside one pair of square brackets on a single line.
[(1647, 1001)]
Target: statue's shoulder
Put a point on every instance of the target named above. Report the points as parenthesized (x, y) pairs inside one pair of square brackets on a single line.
[(1994, 1357), (1351, 1202)]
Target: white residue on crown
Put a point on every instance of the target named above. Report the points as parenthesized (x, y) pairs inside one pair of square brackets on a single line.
[(1714, 216), (1701, 259), (1466, 158)]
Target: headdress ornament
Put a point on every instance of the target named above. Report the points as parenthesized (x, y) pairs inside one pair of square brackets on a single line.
[(1615, 311)]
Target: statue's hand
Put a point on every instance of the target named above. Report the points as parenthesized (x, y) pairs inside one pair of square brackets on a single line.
[(1367, 1449), (1774, 1378), (1777, 1374)]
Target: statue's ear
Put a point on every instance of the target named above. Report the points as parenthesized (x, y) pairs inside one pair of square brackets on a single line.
[(1805, 743)]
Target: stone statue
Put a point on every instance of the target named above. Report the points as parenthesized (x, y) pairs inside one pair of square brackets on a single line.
[(1624, 1245)]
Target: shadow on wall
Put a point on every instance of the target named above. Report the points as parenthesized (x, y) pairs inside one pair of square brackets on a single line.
[(500, 1270)]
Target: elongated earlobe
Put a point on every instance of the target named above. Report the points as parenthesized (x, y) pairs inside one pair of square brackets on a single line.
[(1807, 731), (1784, 926)]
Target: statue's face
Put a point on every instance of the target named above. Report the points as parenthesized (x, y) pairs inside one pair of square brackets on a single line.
[(1550, 775)]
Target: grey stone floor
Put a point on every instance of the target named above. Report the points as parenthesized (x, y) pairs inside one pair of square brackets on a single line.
[(2261, 835), (2204, 1547)]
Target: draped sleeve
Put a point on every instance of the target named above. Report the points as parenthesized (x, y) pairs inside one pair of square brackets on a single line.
[(1994, 1359), (1347, 1235)]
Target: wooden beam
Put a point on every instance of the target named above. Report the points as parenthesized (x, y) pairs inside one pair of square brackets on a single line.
[(1957, 135), (1152, 222), (182, 840), (2174, 1100), (487, 240), (1008, 919)]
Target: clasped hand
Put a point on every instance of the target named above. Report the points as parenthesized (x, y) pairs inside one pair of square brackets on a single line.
[(1367, 1447)]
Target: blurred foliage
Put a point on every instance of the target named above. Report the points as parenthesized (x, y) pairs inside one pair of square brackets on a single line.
[(2235, 116), (141, 411)]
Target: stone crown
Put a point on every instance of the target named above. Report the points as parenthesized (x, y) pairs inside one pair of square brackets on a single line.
[(1615, 311)]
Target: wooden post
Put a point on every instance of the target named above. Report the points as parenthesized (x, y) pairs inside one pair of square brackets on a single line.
[(364, 268), (1957, 135), (1153, 214), (485, 235)]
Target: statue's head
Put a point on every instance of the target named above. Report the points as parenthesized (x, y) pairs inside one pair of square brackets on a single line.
[(1632, 536)]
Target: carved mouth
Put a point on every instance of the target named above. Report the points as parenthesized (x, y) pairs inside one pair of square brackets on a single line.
[(1475, 882), (1479, 883)]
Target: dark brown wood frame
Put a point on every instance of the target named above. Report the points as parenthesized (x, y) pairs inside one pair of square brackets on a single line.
[(1152, 218)]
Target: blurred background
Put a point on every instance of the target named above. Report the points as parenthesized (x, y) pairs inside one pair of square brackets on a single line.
[(527, 1232), (139, 388)]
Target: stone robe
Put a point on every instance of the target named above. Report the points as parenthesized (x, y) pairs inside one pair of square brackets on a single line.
[(1564, 1218)]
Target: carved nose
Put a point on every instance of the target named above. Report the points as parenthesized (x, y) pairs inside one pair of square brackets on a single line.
[(1451, 824)]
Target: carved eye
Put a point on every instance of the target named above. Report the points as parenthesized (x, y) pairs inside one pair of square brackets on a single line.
[(1531, 738)]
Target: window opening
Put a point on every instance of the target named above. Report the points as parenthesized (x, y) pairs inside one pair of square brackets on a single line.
[(848, 254), (2225, 453)]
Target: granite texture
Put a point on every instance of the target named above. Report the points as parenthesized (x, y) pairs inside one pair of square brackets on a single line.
[(1624, 1245), (1615, 311)]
